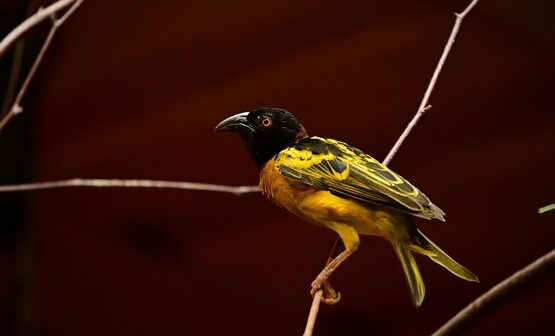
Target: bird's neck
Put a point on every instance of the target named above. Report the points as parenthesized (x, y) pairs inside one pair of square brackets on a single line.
[(263, 152)]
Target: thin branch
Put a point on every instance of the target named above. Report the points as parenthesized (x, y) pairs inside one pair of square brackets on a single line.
[(14, 77), (495, 296), (318, 297), (431, 85), (419, 113), (16, 64), (16, 106), (118, 183), (40, 16), (19, 31)]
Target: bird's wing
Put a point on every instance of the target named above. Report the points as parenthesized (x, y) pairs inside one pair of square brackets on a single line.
[(346, 171)]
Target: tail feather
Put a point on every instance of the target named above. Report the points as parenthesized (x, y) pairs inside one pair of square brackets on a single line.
[(412, 273), (423, 245)]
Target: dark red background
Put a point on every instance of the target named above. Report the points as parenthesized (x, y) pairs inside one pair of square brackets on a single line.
[(133, 89)]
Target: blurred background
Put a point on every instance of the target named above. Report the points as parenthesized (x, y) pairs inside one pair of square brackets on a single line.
[(133, 89)]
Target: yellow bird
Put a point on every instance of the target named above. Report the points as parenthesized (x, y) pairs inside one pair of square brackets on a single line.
[(335, 185)]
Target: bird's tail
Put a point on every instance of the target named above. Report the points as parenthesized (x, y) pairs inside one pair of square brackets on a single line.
[(423, 245), (412, 273)]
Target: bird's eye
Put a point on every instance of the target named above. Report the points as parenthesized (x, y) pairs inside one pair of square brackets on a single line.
[(266, 122)]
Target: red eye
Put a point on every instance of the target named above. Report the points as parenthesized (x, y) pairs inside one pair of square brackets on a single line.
[(266, 122)]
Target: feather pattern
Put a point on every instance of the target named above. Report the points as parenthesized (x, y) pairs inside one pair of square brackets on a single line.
[(344, 170)]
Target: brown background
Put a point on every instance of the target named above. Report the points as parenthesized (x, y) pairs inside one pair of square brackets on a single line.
[(133, 89)]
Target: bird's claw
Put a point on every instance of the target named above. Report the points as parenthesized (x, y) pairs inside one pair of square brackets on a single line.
[(331, 299), (329, 295), (316, 285)]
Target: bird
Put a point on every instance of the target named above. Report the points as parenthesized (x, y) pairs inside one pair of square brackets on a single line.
[(335, 185)]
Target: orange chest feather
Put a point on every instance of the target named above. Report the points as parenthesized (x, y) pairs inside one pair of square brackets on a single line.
[(281, 190), (317, 206)]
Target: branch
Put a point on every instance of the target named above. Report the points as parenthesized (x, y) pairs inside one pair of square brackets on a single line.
[(313, 313), (5, 44), (14, 77), (495, 296), (431, 85), (419, 113), (14, 35), (42, 15), (117, 183)]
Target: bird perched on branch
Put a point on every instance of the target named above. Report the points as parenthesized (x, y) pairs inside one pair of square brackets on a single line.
[(335, 185)]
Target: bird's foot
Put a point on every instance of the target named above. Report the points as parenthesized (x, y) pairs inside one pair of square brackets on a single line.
[(317, 284), (330, 296)]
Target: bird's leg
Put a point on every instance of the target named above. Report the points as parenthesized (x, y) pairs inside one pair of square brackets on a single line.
[(329, 295), (350, 240), (321, 279)]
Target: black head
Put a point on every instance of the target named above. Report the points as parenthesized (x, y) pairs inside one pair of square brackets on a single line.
[(265, 131)]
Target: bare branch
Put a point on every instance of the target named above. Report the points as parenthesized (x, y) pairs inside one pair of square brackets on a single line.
[(419, 113), (41, 15), (16, 107), (431, 85), (495, 296), (32, 21), (14, 77), (117, 183), (313, 313)]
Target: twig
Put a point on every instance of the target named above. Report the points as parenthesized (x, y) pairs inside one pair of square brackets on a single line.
[(313, 313), (495, 296), (16, 106), (118, 183), (421, 110), (14, 77), (30, 22), (41, 15), (431, 85), (16, 64)]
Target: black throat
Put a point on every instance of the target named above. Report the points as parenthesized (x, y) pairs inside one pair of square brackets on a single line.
[(264, 146), (264, 149)]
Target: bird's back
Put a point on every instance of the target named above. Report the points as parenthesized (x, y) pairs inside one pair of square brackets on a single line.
[(346, 171)]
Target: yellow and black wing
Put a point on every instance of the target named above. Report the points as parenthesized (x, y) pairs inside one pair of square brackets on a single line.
[(346, 171)]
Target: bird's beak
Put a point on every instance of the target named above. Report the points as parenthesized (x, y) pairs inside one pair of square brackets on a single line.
[(236, 123)]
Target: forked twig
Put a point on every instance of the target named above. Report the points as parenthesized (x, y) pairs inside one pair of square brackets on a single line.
[(421, 110), (40, 16)]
